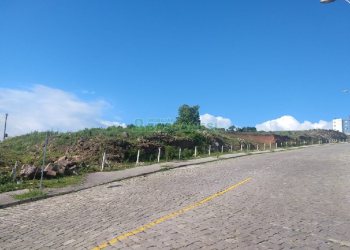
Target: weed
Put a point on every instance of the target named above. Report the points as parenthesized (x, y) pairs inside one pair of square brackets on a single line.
[(33, 193)]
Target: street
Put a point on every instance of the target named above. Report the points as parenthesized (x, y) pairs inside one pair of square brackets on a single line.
[(293, 199)]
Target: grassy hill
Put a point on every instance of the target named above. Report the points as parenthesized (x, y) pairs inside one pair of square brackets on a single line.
[(120, 144)]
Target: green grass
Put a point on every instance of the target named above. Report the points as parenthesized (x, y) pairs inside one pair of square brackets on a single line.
[(50, 183), (33, 193), (63, 181), (11, 186)]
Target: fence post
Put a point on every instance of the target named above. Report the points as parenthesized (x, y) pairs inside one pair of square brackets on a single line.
[(103, 161), (276, 145), (264, 146), (222, 149), (209, 150), (241, 147), (14, 172), (270, 146), (179, 153), (195, 151), (158, 158), (231, 149), (44, 158), (138, 157), (257, 147)]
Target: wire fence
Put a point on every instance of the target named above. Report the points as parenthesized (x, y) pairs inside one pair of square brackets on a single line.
[(143, 156)]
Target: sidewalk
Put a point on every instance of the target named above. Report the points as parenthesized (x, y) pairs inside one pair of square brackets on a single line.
[(100, 178)]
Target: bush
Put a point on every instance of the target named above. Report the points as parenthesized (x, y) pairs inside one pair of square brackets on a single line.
[(171, 153), (187, 153), (5, 178)]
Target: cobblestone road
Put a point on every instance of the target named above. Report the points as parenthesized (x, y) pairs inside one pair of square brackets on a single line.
[(295, 199)]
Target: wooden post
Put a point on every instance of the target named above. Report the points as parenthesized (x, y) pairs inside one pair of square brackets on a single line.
[(103, 161), (158, 158), (222, 149), (14, 172), (179, 153), (241, 147), (44, 158), (231, 149), (195, 151), (209, 150), (138, 157)]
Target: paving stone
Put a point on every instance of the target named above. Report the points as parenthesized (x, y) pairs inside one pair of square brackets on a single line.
[(296, 200)]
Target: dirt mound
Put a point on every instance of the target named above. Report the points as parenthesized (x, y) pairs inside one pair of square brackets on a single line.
[(261, 138)]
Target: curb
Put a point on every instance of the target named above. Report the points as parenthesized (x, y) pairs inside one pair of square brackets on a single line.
[(19, 202)]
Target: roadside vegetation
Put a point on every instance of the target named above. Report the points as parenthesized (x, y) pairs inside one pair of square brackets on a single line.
[(33, 193), (179, 140), (10, 185)]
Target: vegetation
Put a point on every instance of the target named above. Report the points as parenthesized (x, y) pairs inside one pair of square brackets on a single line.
[(63, 181), (122, 144), (246, 129), (188, 116), (232, 128), (33, 193)]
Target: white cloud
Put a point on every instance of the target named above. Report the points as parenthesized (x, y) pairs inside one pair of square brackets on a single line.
[(42, 108), (288, 122), (212, 121)]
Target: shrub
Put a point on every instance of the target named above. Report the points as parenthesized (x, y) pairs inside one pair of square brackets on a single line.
[(5, 178)]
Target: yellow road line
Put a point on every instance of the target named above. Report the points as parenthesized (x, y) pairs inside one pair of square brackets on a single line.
[(167, 217)]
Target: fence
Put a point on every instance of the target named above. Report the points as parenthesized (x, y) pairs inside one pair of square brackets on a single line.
[(170, 153)]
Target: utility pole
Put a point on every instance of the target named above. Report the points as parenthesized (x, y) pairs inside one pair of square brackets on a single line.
[(5, 135)]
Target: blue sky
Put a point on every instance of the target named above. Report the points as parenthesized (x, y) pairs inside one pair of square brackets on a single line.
[(248, 61)]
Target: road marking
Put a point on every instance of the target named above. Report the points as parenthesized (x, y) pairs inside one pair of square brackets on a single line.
[(167, 217)]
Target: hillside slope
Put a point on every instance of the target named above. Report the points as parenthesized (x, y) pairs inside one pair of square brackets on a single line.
[(121, 144)]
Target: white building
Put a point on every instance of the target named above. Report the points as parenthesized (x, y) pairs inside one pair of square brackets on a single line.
[(338, 125)]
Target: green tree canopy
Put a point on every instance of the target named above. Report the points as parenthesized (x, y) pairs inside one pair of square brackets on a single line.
[(188, 115), (247, 129)]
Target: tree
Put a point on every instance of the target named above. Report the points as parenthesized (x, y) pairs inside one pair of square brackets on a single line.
[(188, 115), (247, 129), (232, 128)]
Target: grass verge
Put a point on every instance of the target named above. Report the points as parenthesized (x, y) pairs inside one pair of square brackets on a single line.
[(33, 193), (48, 183)]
